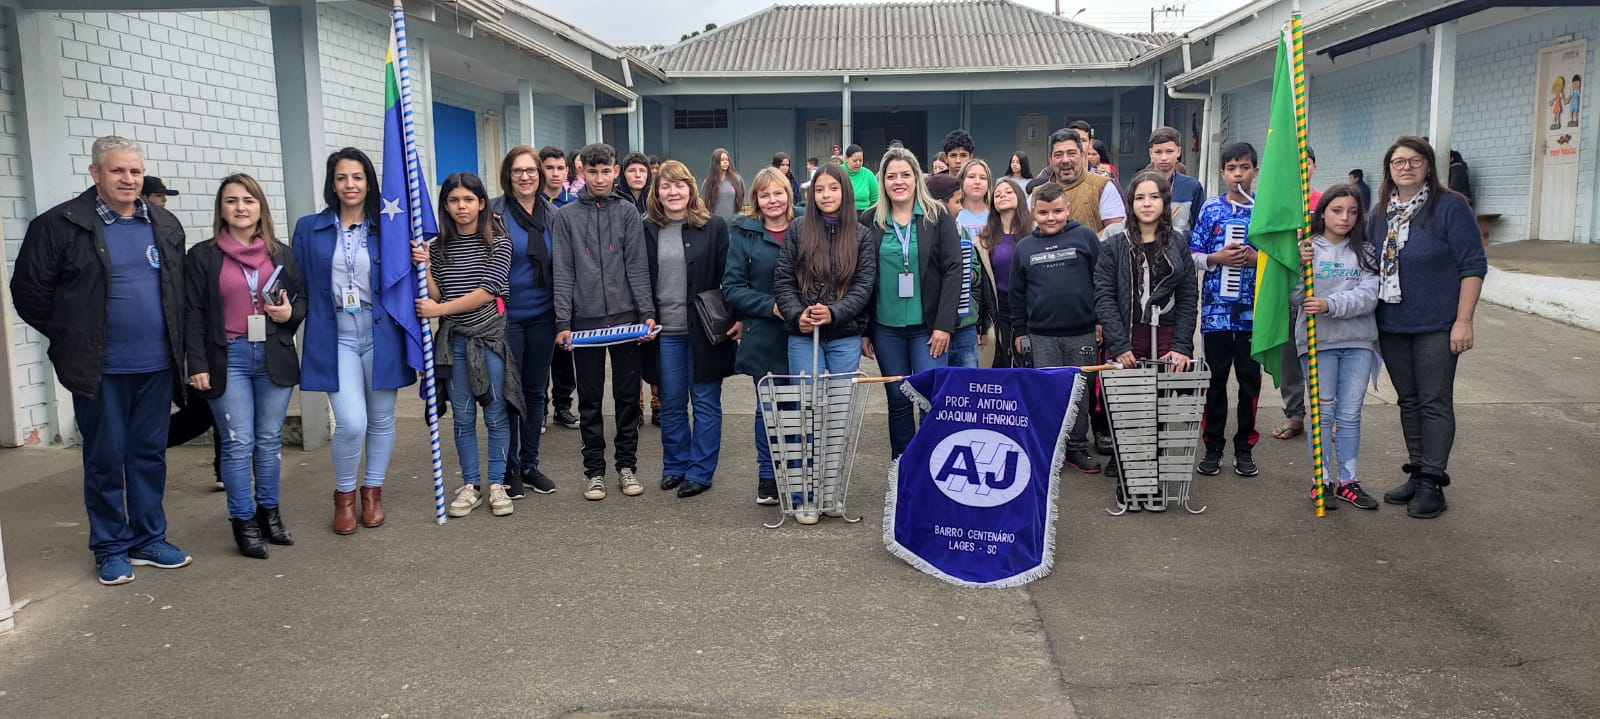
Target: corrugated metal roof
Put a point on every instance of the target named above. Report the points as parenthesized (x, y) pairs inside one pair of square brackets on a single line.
[(1154, 38), (897, 37)]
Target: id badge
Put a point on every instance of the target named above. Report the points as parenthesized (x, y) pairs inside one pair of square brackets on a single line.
[(256, 328), (908, 285), (352, 301)]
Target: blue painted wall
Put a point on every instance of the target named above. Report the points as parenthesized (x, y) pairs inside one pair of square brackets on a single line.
[(455, 140)]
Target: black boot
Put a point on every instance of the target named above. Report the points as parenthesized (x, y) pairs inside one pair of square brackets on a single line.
[(271, 524), (1403, 493), (1428, 501), (247, 534)]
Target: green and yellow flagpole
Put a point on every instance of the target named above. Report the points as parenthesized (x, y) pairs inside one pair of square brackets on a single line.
[(1313, 385)]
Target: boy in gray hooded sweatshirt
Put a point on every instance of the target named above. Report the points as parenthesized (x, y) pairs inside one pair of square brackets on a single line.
[(602, 279), (1345, 296)]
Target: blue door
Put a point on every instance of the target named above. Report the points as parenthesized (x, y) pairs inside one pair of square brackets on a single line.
[(455, 140)]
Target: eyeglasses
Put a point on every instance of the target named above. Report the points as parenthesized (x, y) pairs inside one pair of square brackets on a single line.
[(1401, 163), (524, 171)]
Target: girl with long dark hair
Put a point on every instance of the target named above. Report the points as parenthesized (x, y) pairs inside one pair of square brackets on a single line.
[(1144, 284), (724, 188), (244, 302), (1430, 272), (825, 275), (1019, 168), (468, 267), (1009, 221), (781, 163), (361, 357), (1346, 293)]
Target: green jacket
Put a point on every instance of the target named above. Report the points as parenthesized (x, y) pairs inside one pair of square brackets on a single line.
[(747, 289), (864, 187)]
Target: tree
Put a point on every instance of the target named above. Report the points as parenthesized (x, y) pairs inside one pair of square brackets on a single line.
[(709, 27)]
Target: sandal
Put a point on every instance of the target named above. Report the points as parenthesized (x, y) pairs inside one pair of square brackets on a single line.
[(1289, 431)]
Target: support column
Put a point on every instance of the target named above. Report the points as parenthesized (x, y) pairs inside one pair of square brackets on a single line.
[(591, 123), (51, 179), (525, 112), (666, 126), (636, 126), (297, 68), (964, 115), (845, 127), (1158, 104), (1116, 126), (1441, 102), (418, 51)]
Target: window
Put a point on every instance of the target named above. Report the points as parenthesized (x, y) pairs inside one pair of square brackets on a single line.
[(700, 119)]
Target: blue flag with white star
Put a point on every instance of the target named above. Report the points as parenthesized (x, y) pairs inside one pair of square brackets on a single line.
[(400, 290)]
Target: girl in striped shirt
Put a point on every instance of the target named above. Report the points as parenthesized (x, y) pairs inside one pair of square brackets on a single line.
[(467, 268)]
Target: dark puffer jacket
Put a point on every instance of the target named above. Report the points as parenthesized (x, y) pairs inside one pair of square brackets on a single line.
[(850, 309)]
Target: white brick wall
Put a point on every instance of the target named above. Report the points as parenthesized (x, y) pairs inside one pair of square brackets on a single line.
[(196, 89), (1357, 111), (14, 204), (353, 51)]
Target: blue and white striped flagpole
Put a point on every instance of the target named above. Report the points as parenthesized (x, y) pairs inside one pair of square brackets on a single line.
[(414, 195)]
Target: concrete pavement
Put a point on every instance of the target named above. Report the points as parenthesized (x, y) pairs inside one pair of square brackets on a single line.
[(655, 607)]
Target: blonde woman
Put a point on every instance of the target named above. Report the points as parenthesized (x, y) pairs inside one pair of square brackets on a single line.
[(747, 287), (914, 314)]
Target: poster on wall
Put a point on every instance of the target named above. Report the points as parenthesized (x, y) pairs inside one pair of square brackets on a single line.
[(1563, 102)]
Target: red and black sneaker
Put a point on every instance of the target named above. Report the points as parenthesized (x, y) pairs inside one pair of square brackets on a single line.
[(1327, 501), (1354, 494)]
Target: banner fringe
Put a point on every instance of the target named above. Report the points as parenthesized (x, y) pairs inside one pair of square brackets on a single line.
[(1052, 511)]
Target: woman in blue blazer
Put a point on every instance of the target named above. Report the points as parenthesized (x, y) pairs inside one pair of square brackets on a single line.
[(337, 251)]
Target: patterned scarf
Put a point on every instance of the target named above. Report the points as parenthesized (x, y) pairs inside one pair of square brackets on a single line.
[(1399, 220)]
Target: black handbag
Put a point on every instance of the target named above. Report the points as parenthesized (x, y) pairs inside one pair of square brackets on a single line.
[(715, 318)]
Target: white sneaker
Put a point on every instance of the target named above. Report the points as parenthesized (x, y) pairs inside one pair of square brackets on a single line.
[(499, 501), (596, 489), (467, 499), (806, 516), (629, 483)]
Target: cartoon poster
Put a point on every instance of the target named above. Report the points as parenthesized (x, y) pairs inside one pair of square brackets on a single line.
[(1562, 100)]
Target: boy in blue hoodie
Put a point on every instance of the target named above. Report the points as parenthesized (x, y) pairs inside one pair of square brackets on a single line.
[(1227, 308), (1052, 301)]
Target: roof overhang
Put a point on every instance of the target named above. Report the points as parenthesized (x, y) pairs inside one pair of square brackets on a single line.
[(1211, 69), (1438, 16)]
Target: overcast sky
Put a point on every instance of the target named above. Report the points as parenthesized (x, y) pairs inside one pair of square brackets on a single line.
[(663, 21)]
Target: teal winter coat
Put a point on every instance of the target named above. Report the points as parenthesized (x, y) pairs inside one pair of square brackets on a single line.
[(747, 289)]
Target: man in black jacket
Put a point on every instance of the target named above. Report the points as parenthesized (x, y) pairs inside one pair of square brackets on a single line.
[(101, 277)]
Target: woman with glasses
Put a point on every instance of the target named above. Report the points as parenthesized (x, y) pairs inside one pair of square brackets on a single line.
[(1430, 272)]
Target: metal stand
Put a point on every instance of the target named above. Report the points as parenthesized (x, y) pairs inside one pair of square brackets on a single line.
[(813, 422), (1155, 416)]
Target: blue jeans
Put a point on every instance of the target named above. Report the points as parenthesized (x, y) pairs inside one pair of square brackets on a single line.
[(465, 408), (763, 450), (964, 347), (124, 431), (1342, 377), (533, 344), (837, 356), (249, 418), (903, 351), (361, 415), (688, 449)]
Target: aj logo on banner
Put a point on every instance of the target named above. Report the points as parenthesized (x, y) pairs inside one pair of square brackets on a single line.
[(973, 499)]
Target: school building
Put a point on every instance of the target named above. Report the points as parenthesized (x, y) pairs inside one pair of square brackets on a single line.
[(270, 87)]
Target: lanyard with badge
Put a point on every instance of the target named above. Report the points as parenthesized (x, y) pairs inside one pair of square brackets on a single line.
[(902, 233), (256, 322), (351, 297)]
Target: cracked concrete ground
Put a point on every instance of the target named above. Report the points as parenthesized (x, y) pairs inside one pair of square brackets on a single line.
[(656, 608)]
